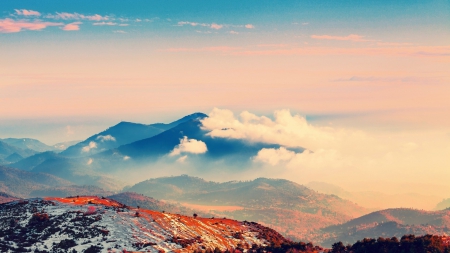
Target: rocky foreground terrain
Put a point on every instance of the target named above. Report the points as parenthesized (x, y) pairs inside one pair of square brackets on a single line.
[(94, 224)]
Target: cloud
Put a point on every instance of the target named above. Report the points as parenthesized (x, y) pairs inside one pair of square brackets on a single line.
[(12, 26), (126, 158), (182, 159), (27, 12), (216, 26), (89, 162), (233, 32), (249, 26), (351, 37), (189, 146), (88, 148), (104, 23), (203, 49), (104, 138), (320, 159), (77, 16), (286, 129), (182, 23), (119, 31), (416, 51), (75, 26), (274, 156), (69, 131)]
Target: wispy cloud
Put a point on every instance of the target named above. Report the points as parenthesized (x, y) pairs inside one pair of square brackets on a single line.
[(351, 37), (119, 31), (407, 79), (249, 26), (12, 26), (202, 49), (216, 26), (27, 12), (75, 26), (77, 16), (104, 23)]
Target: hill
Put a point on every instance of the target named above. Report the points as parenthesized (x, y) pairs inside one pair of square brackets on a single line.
[(7, 151), (135, 200), (387, 223), (293, 209), (75, 170), (92, 224), (5, 198), (28, 143), (121, 134), (444, 204), (21, 183)]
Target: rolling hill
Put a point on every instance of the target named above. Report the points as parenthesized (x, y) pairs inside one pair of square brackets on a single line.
[(292, 209), (444, 204), (387, 223), (92, 224), (28, 143), (21, 183), (9, 153)]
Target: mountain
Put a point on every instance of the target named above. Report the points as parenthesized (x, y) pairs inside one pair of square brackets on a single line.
[(232, 152), (64, 145), (293, 209), (75, 170), (377, 200), (6, 150), (92, 224), (21, 183), (121, 134), (444, 204), (135, 200), (5, 198), (71, 190), (387, 223), (28, 143)]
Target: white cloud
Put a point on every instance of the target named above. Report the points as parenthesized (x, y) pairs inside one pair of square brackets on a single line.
[(249, 26), (182, 159), (104, 138), (27, 12), (216, 26), (119, 31), (351, 37), (104, 23), (126, 158), (88, 148), (77, 16), (89, 162), (189, 146), (287, 129), (321, 159), (274, 156)]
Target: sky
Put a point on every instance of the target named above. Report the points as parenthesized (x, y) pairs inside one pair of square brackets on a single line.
[(376, 72)]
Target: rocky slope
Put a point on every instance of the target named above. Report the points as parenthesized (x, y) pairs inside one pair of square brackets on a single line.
[(93, 224)]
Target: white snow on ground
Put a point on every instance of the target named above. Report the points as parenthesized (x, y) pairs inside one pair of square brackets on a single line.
[(148, 231)]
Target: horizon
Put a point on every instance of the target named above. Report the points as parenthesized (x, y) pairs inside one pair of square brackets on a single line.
[(351, 93)]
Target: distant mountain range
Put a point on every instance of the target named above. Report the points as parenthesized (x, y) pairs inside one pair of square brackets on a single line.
[(10, 153), (376, 200), (292, 209), (444, 204), (121, 134), (386, 223)]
